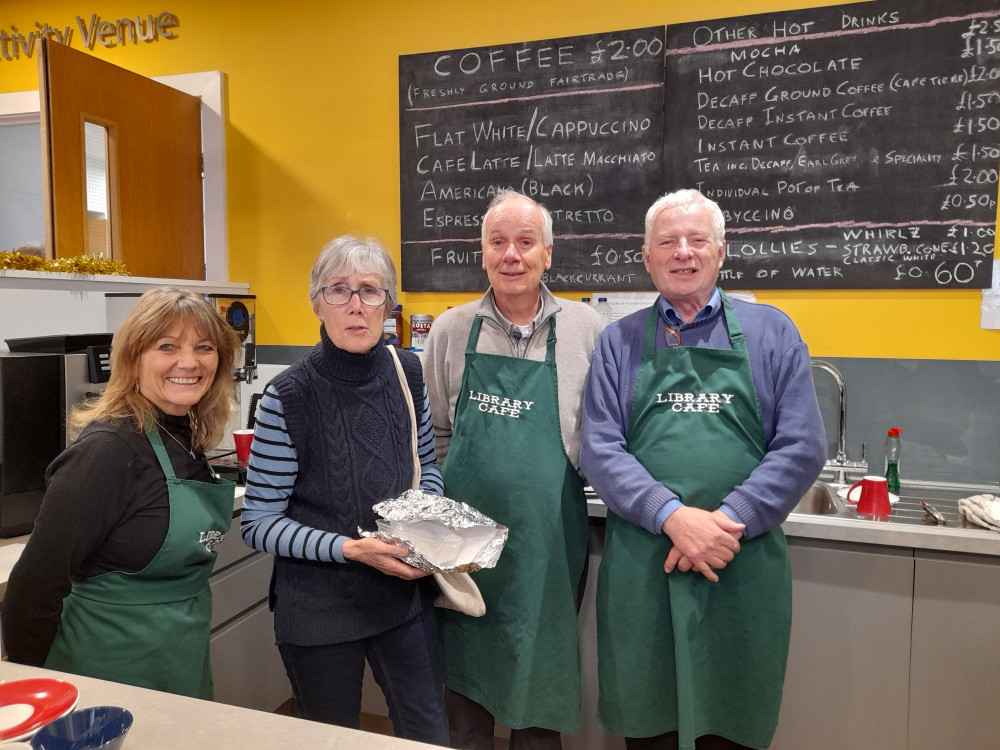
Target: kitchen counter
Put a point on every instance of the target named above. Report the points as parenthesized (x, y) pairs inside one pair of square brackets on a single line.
[(904, 528), (850, 528), (804, 525), (165, 721), (937, 538)]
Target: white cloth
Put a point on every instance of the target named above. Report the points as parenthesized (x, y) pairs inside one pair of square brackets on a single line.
[(982, 510), (459, 592)]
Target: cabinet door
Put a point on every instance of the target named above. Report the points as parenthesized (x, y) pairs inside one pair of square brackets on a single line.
[(848, 664), (246, 665), (955, 664), (240, 587)]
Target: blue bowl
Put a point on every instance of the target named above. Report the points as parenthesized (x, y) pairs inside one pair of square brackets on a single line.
[(87, 729)]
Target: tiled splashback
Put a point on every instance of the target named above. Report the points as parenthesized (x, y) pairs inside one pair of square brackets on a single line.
[(949, 411)]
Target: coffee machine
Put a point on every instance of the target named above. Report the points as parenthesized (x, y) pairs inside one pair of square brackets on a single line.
[(238, 310), (41, 379), (29, 435)]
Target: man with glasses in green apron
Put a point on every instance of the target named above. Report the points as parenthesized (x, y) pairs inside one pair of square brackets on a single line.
[(506, 423), (700, 432)]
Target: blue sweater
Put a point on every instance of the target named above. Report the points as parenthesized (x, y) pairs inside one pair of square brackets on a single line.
[(782, 376)]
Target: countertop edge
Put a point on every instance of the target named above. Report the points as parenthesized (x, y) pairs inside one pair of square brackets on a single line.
[(808, 526)]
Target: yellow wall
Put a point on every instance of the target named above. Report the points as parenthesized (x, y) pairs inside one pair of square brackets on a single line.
[(313, 141)]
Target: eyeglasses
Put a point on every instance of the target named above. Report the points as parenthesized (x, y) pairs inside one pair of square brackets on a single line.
[(372, 296), (673, 337)]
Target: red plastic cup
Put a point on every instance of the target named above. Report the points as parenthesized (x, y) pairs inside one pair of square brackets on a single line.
[(874, 496), (243, 439)]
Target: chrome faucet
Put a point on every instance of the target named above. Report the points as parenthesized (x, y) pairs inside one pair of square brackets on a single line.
[(840, 465)]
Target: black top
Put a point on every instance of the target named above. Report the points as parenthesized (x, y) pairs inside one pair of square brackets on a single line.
[(105, 509)]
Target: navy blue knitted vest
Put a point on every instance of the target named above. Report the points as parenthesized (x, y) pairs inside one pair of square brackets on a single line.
[(348, 420)]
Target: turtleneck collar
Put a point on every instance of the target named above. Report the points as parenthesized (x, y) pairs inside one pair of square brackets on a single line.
[(331, 360), (176, 424)]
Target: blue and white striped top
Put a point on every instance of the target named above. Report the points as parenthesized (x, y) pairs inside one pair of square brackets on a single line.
[(271, 477)]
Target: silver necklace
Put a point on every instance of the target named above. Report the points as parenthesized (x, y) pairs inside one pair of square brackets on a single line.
[(189, 451)]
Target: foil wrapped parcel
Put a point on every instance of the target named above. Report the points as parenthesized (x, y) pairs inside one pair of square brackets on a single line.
[(442, 534)]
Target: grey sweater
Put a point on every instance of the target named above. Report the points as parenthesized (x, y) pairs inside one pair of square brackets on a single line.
[(577, 329)]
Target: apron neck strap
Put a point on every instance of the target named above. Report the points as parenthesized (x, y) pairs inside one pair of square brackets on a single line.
[(736, 337), (649, 340), (161, 453), (550, 343), (470, 345)]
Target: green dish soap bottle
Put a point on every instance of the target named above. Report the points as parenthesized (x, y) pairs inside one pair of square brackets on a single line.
[(892, 447)]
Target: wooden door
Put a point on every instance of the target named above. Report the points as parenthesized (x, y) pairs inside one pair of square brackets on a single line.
[(154, 164)]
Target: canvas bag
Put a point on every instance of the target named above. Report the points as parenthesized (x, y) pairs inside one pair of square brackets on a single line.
[(458, 590)]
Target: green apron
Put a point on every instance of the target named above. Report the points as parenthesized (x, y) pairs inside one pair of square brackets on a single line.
[(677, 652), (151, 628), (521, 660)]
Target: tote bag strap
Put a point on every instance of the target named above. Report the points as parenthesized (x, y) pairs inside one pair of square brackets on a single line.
[(413, 416)]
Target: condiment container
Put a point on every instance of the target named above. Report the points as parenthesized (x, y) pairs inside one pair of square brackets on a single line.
[(420, 327)]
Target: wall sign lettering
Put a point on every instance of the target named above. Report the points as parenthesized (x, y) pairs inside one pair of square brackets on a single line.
[(16, 44), (576, 123)]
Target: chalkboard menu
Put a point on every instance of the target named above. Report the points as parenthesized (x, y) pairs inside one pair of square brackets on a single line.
[(576, 123), (850, 147)]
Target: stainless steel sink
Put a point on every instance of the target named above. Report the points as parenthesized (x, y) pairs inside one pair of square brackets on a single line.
[(820, 500)]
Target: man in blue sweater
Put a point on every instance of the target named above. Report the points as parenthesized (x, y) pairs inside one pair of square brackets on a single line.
[(700, 431)]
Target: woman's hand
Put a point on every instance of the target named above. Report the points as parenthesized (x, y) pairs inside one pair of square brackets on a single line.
[(382, 556)]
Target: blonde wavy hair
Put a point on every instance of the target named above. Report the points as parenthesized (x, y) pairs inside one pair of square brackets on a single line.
[(154, 314)]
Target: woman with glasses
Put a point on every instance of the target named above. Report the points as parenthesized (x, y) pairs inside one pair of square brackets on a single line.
[(332, 439)]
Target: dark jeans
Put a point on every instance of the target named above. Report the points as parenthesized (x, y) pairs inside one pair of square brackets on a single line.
[(472, 728), (406, 662), (669, 741)]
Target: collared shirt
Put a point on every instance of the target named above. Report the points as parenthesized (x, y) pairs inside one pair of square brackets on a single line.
[(519, 335), (668, 311)]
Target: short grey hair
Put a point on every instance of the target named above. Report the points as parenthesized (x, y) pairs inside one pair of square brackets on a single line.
[(348, 255), (507, 194), (684, 199)]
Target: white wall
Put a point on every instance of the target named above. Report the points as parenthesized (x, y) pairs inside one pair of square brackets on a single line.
[(44, 304), (48, 312)]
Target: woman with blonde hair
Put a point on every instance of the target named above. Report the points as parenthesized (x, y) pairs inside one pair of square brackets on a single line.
[(113, 582)]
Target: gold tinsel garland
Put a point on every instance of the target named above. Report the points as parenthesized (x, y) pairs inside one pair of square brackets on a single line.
[(14, 260)]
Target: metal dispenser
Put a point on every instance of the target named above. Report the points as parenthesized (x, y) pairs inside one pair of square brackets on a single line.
[(238, 311)]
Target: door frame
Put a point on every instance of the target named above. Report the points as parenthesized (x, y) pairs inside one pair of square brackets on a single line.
[(23, 107)]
